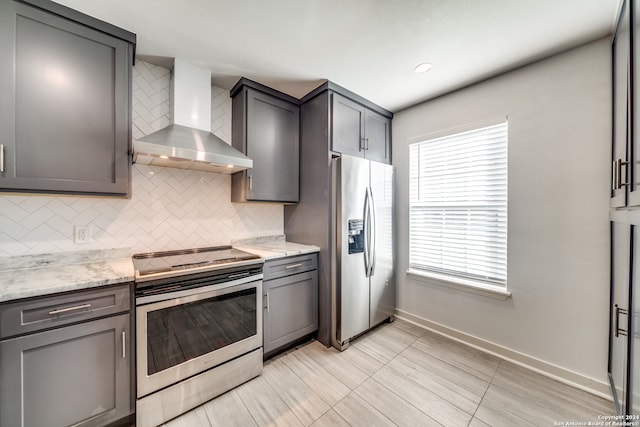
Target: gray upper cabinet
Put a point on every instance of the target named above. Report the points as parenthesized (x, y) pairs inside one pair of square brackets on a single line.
[(359, 131), (347, 126), (265, 126), (65, 121), (377, 137)]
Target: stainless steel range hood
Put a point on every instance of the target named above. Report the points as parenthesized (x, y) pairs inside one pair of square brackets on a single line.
[(188, 142)]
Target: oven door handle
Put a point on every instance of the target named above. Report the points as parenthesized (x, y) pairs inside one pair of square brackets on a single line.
[(189, 292), (160, 290)]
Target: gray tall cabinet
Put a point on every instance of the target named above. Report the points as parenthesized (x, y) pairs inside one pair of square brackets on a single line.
[(65, 80), (624, 324), (333, 121)]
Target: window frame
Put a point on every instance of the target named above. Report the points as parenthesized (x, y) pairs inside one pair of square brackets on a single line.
[(474, 284)]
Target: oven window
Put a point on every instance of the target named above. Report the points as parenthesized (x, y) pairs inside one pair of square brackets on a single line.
[(186, 331)]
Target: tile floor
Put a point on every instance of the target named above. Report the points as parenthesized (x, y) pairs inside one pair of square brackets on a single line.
[(397, 374)]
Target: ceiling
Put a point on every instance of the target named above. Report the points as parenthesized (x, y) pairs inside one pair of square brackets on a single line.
[(368, 46)]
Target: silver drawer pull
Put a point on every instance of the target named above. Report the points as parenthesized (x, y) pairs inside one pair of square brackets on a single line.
[(68, 309), (124, 344), (1, 158), (293, 266), (267, 300)]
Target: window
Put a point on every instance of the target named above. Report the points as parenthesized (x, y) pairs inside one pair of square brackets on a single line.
[(458, 205)]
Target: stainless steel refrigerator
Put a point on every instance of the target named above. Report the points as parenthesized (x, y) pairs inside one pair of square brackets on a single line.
[(363, 281)]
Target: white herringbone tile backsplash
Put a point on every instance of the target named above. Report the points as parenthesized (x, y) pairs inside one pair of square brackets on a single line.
[(169, 208)]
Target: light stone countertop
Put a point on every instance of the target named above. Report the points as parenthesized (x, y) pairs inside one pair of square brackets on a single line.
[(274, 247), (36, 275), (27, 276)]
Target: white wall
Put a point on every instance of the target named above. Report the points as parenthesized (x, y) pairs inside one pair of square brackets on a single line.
[(558, 244), (169, 208)]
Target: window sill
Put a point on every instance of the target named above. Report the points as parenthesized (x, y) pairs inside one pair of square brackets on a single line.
[(466, 285)]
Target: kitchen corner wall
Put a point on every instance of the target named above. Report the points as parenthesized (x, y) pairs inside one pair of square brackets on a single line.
[(557, 318), (169, 208)]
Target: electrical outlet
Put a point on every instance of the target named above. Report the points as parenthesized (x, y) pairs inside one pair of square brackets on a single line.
[(82, 234)]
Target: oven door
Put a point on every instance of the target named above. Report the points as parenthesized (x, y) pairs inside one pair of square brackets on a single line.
[(188, 332)]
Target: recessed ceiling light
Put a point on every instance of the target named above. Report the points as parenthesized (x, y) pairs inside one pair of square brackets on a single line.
[(423, 68)]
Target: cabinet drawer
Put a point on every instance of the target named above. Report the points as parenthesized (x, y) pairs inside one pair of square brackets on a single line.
[(23, 317), (281, 267)]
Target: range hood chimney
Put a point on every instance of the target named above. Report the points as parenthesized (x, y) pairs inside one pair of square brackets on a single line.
[(188, 142)]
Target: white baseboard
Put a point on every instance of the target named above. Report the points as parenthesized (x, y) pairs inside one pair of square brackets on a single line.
[(558, 373)]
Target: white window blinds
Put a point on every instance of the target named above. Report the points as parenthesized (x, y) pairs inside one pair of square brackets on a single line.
[(458, 205)]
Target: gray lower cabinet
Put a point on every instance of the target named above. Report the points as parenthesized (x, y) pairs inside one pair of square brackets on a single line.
[(65, 80), (76, 374), (265, 127), (290, 291)]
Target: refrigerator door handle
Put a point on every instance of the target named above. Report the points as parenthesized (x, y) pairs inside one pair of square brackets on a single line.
[(365, 216), (372, 233)]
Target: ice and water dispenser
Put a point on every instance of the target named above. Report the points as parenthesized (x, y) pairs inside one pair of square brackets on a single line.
[(356, 236)]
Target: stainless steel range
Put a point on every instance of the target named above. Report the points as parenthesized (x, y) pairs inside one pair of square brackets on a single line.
[(198, 326)]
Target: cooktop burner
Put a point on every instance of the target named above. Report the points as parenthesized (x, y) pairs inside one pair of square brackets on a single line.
[(184, 261)]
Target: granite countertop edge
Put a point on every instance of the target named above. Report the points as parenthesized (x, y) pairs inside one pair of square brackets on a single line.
[(273, 247), (63, 272)]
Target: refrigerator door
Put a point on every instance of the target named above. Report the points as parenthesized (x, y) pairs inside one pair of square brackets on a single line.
[(352, 285), (382, 288)]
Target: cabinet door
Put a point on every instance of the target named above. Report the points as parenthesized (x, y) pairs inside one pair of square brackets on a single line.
[(634, 341), (620, 61), (64, 121), (72, 375), (633, 195), (347, 126), (290, 310), (273, 144), (377, 136), (618, 337)]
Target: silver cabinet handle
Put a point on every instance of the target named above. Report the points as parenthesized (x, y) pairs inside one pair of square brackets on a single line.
[(68, 309), (124, 344), (293, 266), (1, 158), (362, 146), (620, 182), (619, 331), (617, 174), (250, 183), (366, 143), (267, 301)]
